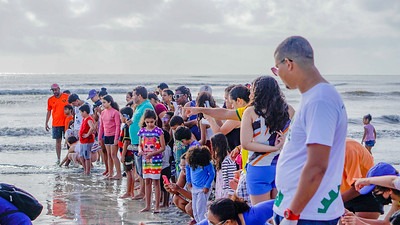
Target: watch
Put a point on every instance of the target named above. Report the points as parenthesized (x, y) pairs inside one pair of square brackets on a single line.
[(289, 215)]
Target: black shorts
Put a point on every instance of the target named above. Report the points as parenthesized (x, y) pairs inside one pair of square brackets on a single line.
[(129, 163), (57, 132), (166, 172), (364, 203), (109, 140)]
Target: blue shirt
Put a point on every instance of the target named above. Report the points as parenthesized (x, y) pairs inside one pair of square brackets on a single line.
[(14, 218), (194, 144), (201, 177), (137, 115), (257, 215)]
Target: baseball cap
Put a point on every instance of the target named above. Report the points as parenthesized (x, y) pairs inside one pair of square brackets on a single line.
[(91, 94), (380, 169), (162, 86), (205, 88), (54, 86)]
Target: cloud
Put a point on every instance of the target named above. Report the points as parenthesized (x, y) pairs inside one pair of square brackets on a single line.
[(77, 31)]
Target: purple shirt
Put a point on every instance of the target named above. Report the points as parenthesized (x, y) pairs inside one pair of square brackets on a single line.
[(369, 132)]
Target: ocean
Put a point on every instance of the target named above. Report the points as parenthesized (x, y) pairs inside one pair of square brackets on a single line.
[(27, 154)]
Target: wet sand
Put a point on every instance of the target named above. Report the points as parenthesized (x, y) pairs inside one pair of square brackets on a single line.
[(68, 197)]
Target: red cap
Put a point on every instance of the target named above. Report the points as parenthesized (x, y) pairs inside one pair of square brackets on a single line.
[(54, 86)]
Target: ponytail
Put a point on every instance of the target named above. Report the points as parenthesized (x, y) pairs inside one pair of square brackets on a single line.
[(227, 209), (113, 104)]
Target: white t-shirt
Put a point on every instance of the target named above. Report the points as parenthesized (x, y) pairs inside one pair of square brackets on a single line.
[(78, 118), (396, 183), (321, 119)]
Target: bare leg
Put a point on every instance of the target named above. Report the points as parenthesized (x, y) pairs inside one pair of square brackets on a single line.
[(58, 149), (157, 193), (105, 157), (117, 163), (110, 162), (148, 182)]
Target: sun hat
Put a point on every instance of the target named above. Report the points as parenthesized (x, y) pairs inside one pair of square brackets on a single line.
[(380, 169)]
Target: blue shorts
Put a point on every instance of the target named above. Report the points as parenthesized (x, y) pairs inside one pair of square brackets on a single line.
[(57, 132), (278, 219), (260, 179), (86, 149), (370, 143)]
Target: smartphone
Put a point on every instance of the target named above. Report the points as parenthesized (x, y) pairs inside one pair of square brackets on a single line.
[(165, 178)]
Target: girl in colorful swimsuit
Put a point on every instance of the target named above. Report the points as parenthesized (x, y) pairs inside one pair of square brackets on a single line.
[(151, 146)]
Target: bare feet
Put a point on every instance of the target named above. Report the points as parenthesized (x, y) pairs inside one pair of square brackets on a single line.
[(126, 195), (105, 173), (145, 210), (156, 211), (137, 187), (116, 177), (137, 197)]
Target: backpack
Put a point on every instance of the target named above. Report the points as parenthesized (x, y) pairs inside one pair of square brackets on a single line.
[(21, 199)]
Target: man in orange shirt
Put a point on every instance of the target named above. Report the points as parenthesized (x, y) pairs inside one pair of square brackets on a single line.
[(55, 108), (357, 162)]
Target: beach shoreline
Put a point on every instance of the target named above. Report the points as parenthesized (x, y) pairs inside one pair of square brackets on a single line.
[(69, 197)]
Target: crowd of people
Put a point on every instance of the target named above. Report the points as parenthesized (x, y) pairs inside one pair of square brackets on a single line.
[(252, 156)]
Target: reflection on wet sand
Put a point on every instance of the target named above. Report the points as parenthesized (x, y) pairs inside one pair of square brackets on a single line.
[(93, 200)]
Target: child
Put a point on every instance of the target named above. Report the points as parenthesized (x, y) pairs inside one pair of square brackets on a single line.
[(199, 176), (86, 138), (110, 125), (127, 154), (72, 143), (224, 166), (184, 135), (151, 146), (166, 169), (369, 137), (68, 112), (178, 148)]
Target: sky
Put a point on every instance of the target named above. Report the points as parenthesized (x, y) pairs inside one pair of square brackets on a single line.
[(357, 37)]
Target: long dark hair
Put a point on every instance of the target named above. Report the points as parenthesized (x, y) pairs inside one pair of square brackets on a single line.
[(110, 99), (169, 93), (227, 209), (220, 146), (269, 102), (149, 113), (185, 90)]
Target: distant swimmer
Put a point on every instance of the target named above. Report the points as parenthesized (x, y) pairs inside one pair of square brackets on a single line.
[(55, 109)]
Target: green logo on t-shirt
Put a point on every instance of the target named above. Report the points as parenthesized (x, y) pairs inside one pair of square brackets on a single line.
[(327, 202), (278, 199)]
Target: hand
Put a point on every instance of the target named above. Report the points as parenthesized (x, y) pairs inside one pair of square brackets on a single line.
[(233, 183), (47, 127), (85, 135), (360, 183), (115, 142), (288, 222), (101, 142), (349, 219), (235, 152), (149, 156), (122, 158), (280, 140), (206, 190)]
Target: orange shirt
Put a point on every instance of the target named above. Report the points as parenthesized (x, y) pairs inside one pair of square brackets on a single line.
[(56, 106), (67, 119), (357, 162)]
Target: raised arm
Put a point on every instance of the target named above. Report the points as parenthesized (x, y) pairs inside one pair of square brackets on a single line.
[(217, 113)]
